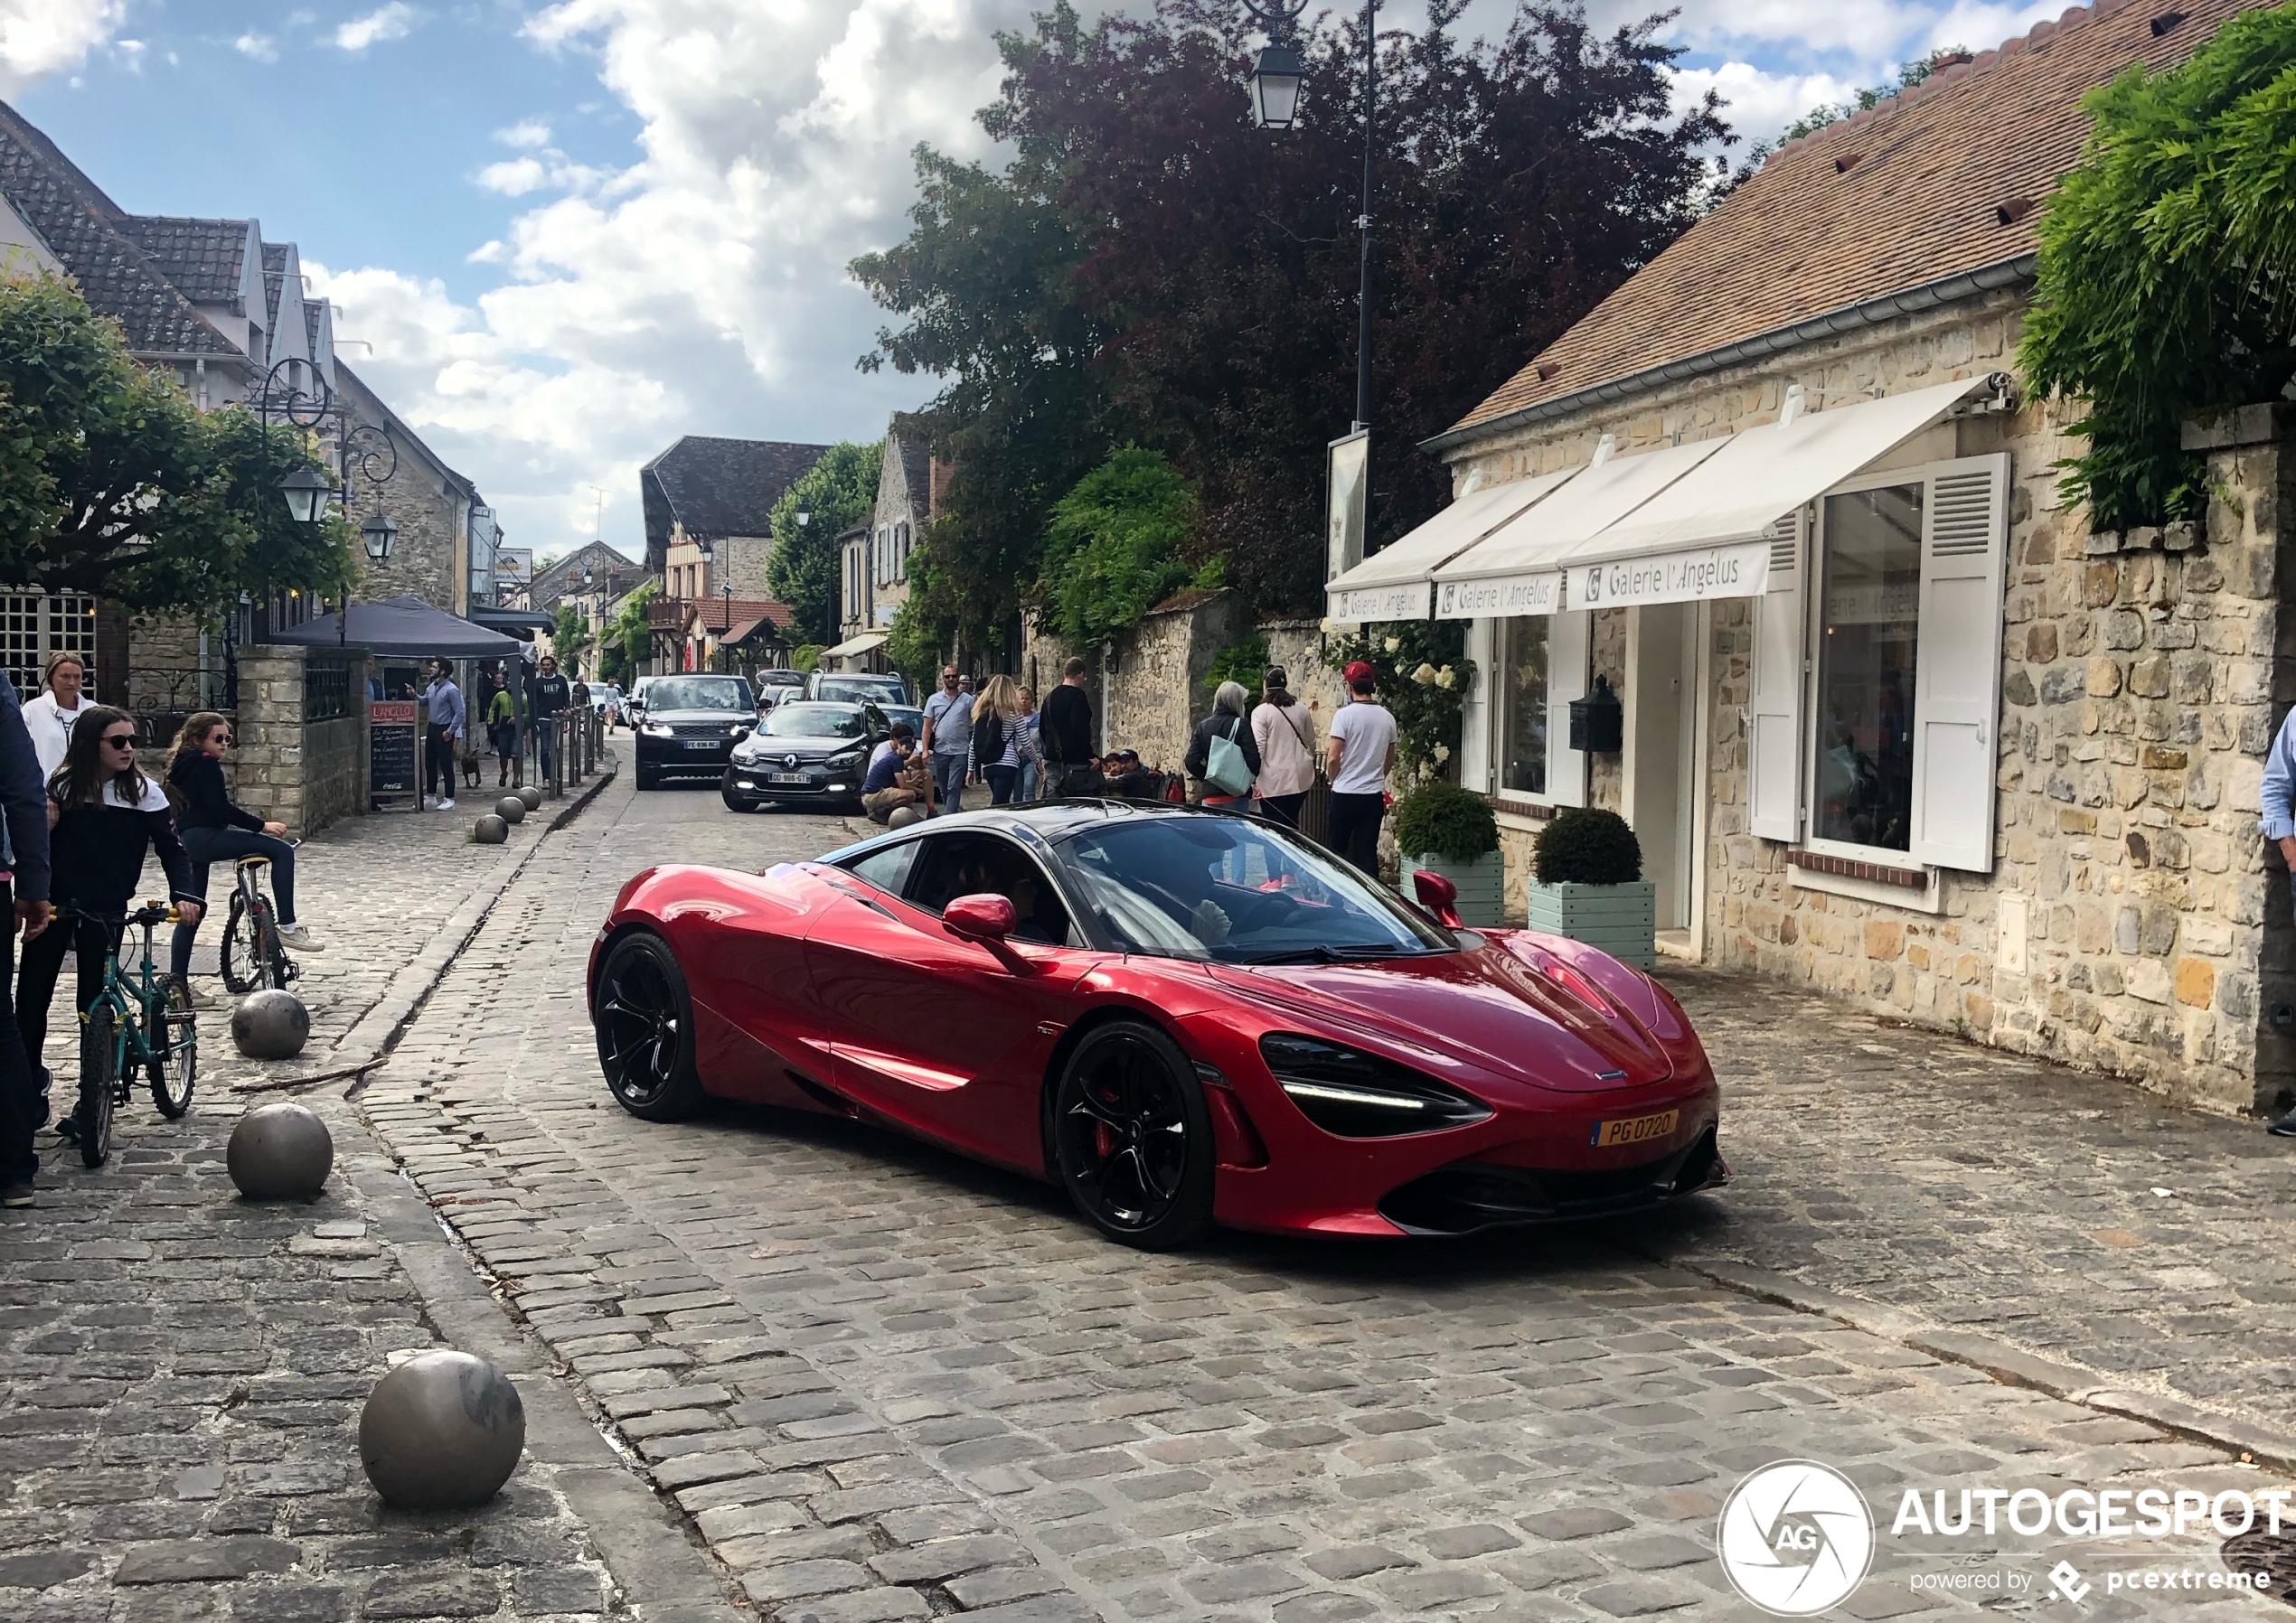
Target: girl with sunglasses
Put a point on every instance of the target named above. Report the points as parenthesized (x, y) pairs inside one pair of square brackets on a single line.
[(215, 830), (103, 816)]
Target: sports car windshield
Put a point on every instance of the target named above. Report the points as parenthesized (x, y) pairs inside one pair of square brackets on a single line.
[(1236, 892), (815, 722), (700, 693)]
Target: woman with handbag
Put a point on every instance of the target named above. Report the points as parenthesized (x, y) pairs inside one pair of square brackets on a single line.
[(1223, 754), (1285, 736)]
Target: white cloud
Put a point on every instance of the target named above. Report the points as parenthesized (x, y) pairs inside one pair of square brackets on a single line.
[(262, 47), (701, 288), (395, 21), (1759, 104), (41, 37)]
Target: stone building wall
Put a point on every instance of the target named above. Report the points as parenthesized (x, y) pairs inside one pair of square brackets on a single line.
[(287, 767), (2138, 690)]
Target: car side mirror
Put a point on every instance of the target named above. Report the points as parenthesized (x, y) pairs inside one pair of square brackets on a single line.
[(984, 919), (1439, 897)]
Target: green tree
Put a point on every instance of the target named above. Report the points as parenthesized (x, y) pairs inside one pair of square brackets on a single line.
[(2167, 260), (1114, 549), (112, 481), (570, 636), (837, 493), (1150, 268), (626, 638)]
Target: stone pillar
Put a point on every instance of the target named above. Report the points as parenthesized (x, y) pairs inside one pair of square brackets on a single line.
[(290, 768), (2252, 544)]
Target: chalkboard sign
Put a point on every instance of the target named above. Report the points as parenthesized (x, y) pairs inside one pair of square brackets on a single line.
[(391, 749)]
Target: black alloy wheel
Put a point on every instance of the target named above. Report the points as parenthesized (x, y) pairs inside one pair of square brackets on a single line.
[(644, 1023), (1132, 1137), (99, 1077), (171, 1030)]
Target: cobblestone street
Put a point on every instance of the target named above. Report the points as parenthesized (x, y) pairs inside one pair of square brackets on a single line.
[(798, 1369), (887, 1383)]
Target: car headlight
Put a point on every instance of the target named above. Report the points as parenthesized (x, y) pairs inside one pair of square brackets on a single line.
[(655, 729), (844, 759), (740, 730), (1357, 1095)]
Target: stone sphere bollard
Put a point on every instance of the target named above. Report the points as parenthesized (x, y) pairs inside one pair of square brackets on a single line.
[(903, 816), (271, 1024), (532, 796), (280, 1152), (511, 808), (442, 1431), (490, 829)]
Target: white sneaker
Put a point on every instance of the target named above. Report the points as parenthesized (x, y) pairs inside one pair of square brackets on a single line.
[(445, 805), (300, 938), (200, 997)]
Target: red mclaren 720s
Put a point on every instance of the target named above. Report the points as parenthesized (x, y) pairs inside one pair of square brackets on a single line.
[(1182, 1018)]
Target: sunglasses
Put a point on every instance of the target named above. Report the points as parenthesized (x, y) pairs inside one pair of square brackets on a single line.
[(120, 740)]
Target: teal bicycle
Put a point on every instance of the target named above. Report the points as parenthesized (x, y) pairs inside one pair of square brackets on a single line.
[(142, 1022)]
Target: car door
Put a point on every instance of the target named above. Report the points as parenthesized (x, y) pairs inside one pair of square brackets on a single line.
[(946, 1036)]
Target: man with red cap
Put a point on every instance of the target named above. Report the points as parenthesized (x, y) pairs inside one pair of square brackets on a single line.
[(1361, 753)]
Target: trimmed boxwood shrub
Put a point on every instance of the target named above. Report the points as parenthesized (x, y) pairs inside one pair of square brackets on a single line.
[(1584, 846), (1439, 817)]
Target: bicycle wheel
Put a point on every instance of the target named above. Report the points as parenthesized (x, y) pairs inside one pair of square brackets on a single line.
[(242, 956), (270, 952), (171, 1028), (98, 1075)]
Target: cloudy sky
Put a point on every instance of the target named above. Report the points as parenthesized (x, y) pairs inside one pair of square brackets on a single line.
[(560, 235)]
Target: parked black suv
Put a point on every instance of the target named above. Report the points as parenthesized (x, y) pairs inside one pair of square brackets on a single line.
[(692, 725)]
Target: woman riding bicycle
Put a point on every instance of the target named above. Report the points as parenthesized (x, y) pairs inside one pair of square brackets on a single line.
[(104, 815), (215, 831)]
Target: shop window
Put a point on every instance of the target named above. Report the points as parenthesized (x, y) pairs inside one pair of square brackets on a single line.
[(1523, 752), (1868, 637), (1876, 669)]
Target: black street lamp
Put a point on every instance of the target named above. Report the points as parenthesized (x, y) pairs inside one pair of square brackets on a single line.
[(306, 493), (378, 533), (1276, 80), (359, 447)]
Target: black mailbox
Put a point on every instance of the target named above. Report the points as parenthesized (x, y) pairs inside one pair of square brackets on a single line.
[(1599, 721)]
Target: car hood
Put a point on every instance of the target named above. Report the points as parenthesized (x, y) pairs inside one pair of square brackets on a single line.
[(729, 718), (1481, 1007), (805, 749)]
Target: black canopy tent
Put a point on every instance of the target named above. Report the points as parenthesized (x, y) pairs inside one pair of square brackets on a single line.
[(405, 627), (408, 628)]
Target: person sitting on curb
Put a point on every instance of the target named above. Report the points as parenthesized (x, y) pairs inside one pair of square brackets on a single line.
[(891, 781)]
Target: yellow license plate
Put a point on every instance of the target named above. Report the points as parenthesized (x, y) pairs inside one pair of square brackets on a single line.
[(1635, 1130)]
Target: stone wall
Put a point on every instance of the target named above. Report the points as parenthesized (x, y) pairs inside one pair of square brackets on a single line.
[(2141, 678), (288, 768)]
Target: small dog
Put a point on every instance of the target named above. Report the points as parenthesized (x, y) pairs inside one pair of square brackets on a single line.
[(472, 769)]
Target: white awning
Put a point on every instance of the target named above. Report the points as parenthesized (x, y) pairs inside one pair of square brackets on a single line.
[(1392, 582), (853, 646), (1518, 568), (1707, 534)]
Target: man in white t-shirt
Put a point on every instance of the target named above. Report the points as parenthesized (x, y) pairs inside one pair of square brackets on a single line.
[(48, 718), (1362, 755)]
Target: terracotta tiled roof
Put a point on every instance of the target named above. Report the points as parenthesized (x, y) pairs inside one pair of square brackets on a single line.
[(86, 231), (203, 257), (1935, 184), (710, 612)]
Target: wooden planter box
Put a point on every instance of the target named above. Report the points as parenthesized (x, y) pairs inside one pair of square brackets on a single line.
[(1481, 884), (1620, 919)]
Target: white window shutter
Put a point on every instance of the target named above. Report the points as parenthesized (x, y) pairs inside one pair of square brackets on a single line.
[(1570, 652), (1957, 674), (1478, 712), (1773, 702)]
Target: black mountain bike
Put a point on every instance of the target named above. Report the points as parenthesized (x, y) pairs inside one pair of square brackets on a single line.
[(253, 956)]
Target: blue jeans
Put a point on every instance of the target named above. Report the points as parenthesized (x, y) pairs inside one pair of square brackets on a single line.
[(1029, 775), (545, 727), (948, 779), (1003, 781)]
